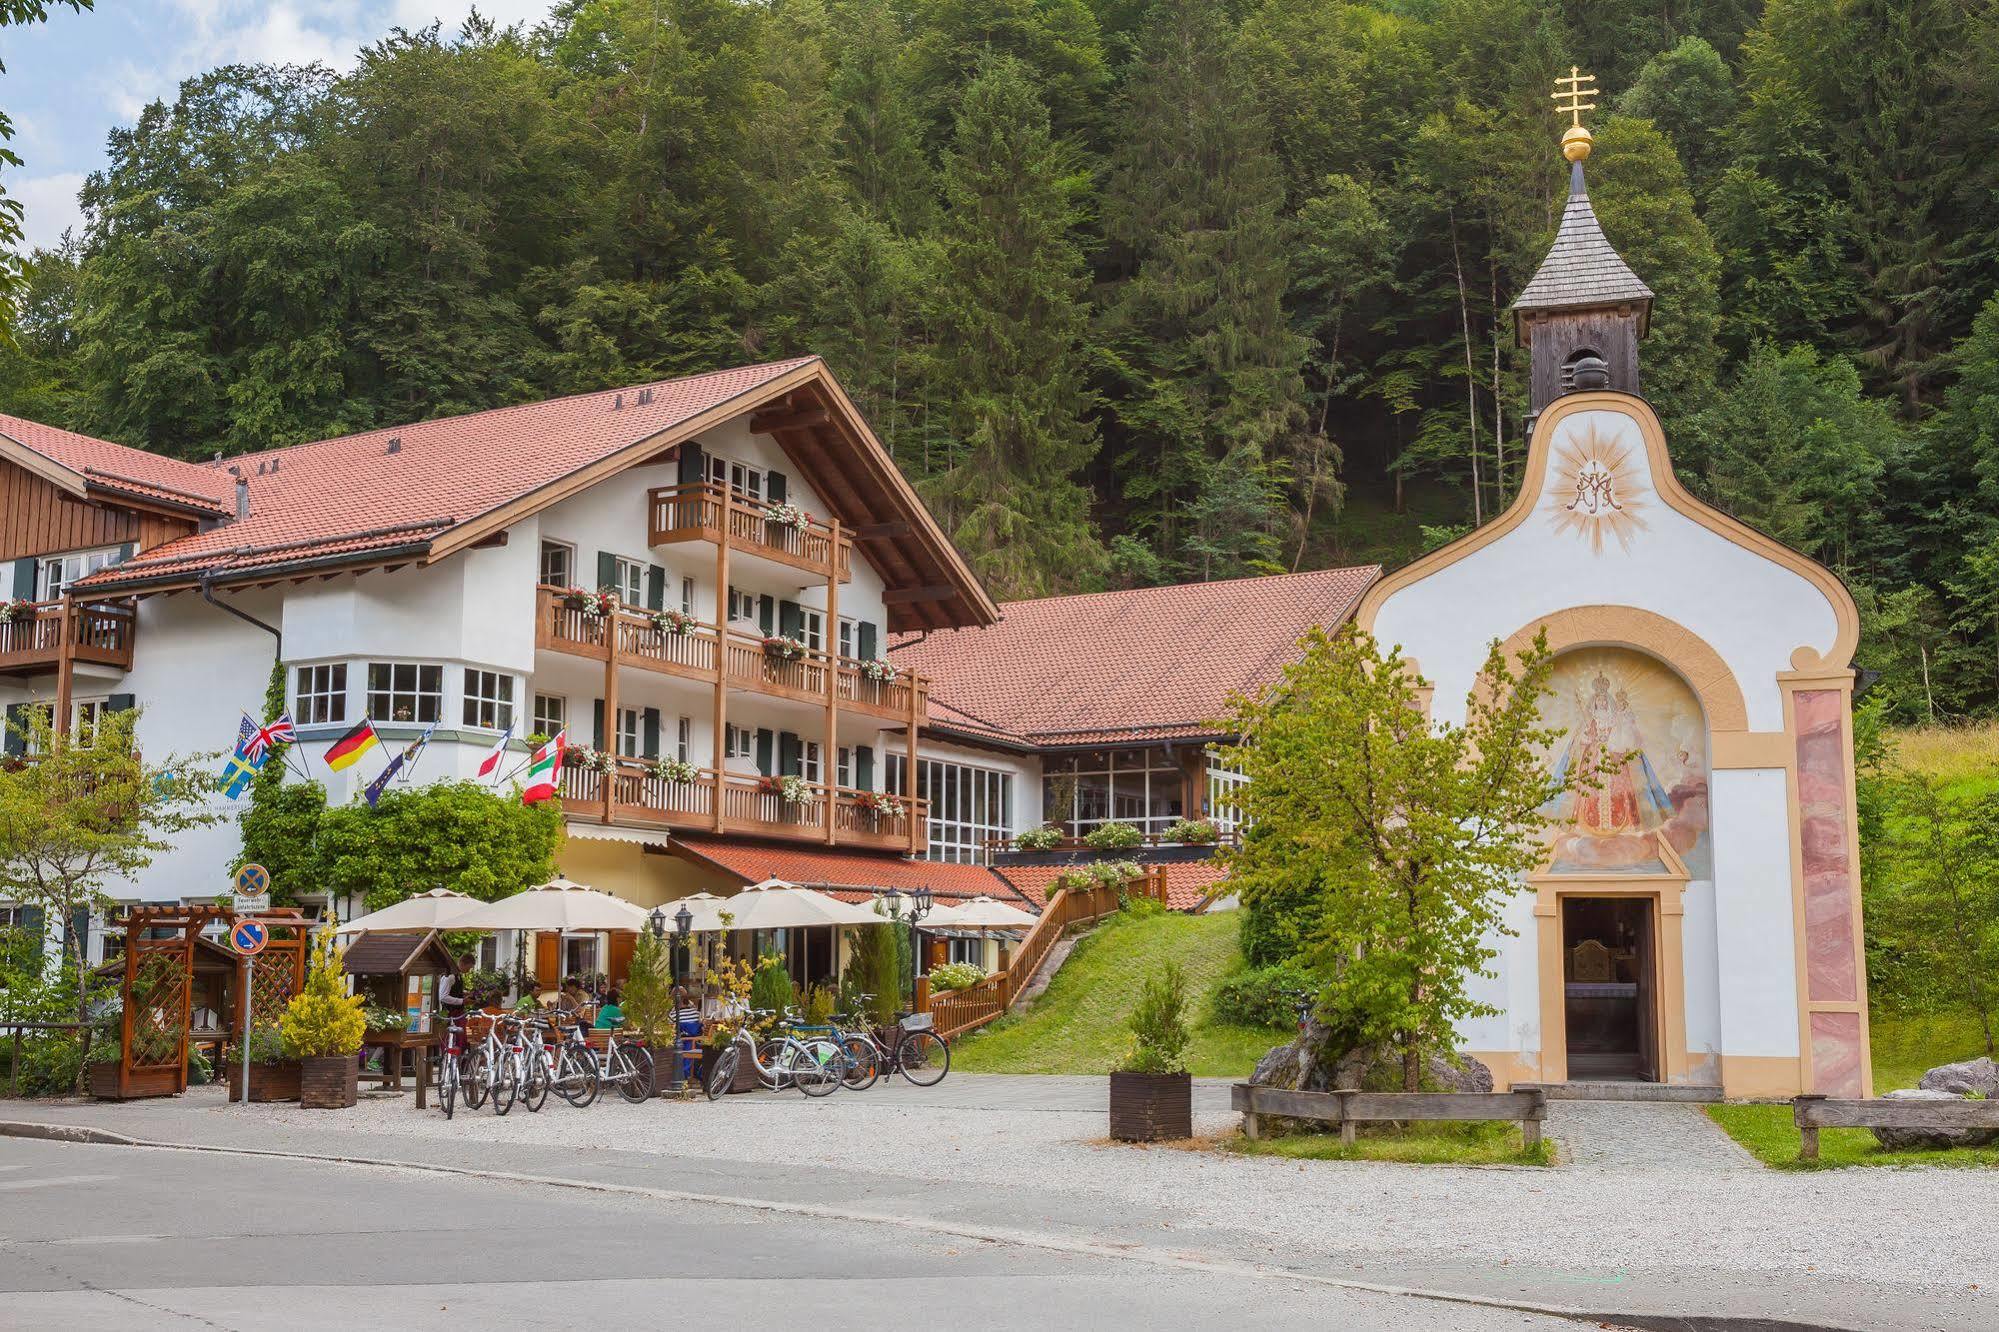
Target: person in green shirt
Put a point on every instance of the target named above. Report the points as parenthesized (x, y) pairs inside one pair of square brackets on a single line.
[(609, 1014)]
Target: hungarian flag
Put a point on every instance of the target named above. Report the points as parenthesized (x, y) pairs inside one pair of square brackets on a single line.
[(348, 749), (543, 770), (491, 763)]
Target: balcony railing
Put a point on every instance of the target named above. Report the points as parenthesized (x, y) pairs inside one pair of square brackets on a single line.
[(750, 805), (710, 512), (561, 625), (99, 634)]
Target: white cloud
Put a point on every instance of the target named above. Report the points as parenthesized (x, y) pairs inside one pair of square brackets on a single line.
[(48, 204)]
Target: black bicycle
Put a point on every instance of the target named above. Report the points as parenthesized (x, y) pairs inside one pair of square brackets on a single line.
[(911, 1047)]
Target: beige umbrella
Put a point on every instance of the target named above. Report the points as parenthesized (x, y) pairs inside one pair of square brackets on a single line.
[(777, 905), (706, 909), (434, 910), (560, 904), (980, 913)]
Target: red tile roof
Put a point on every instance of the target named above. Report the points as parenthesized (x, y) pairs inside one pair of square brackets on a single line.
[(109, 466), (1113, 667), (351, 494), (852, 876), (1188, 883)]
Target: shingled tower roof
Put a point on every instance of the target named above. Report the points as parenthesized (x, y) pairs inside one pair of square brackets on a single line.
[(1582, 269)]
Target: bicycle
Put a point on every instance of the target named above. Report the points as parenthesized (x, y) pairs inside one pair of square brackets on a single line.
[(450, 1077), (568, 1064), (629, 1068), (916, 1050), (816, 1068)]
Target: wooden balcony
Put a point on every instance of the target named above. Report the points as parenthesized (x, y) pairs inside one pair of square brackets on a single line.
[(99, 634), (750, 664), (713, 513), (750, 807)]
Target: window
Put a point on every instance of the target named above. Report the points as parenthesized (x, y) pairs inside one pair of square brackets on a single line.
[(687, 596), (58, 571), (558, 564), (321, 695), (489, 699), (811, 628), (84, 717), (1224, 784), (809, 766), (746, 481), (405, 692), (551, 714), (969, 806), (683, 740), (631, 733), (579, 955), (628, 580), (739, 743), (1139, 786), (968, 950), (843, 772), (489, 953), (742, 605), (850, 637)]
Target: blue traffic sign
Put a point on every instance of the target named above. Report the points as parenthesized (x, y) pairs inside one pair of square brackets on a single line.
[(249, 937), (252, 880)]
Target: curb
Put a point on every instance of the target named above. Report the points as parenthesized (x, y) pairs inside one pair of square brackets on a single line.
[(1182, 1261)]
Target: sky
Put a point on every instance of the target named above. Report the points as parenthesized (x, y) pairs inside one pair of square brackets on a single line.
[(73, 79)]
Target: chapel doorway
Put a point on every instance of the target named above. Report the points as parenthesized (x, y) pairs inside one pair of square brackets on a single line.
[(1609, 984)]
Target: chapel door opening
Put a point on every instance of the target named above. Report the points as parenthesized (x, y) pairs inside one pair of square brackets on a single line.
[(1609, 987)]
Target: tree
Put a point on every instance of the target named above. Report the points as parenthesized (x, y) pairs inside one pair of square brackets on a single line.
[(1689, 94), (86, 811), (457, 834), (1392, 843)]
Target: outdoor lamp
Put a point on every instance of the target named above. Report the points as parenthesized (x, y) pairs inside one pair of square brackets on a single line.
[(656, 922), (683, 922), (893, 900), (920, 907)]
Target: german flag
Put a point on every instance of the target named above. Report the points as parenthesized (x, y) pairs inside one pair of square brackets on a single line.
[(351, 746)]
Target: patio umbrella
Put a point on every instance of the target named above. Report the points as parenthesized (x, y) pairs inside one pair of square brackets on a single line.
[(426, 911), (980, 913), (706, 908), (559, 904), (777, 905)]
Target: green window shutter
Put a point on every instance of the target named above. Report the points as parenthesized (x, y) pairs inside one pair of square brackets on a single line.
[(597, 721), (607, 569), (24, 578), (864, 767), (649, 730), (774, 487), (79, 929), (867, 642), (789, 621), (17, 723), (655, 587), (693, 464), (31, 924), (767, 614), (765, 739), (789, 752), (120, 703)]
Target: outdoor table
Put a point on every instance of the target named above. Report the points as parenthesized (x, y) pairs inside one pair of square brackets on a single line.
[(392, 1044)]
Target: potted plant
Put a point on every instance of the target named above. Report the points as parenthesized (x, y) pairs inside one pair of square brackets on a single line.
[(649, 1003), (675, 770), (783, 647), (1045, 838), (1152, 1095), (671, 622), (1192, 832), (273, 1075), (785, 516), (19, 609), (1113, 837), (878, 671), (383, 1020), (323, 1027), (956, 976), (880, 805)]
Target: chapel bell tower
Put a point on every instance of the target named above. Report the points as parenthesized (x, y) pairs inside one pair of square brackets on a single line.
[(1582, 314)]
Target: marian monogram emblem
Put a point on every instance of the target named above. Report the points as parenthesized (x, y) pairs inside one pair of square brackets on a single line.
[(1596, 488)]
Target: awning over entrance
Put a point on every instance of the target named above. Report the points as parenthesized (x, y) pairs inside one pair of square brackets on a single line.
[(848, 875)]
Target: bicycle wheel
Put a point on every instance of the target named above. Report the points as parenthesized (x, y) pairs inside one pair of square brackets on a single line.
[(447, 1091), (506, 1085), (775, 1055), (863, 1065), (923, 1057), (534, 1082), (579, 1075), (819, 1067), (478, 1078), (723, 1071), (635, 1077)]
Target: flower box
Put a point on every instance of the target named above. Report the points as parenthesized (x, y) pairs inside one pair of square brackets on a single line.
[(1152, 1107), (270, 1080), (672, 622), (878, 671), (678, 771), (786, 516), (328, 1083), (781, 648), (10, 611), (599, 603)]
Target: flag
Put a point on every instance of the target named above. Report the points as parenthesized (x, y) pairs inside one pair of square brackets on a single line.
[(491, 763), (277, 732), (373, 791), (544, 768), (243, 765), (414, 748), (351, 746)]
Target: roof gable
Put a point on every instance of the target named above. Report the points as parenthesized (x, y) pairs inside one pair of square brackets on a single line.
[(81, 465)]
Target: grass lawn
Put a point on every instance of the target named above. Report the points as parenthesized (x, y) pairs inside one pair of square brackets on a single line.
[(1416, 1144), (1965, 757), (1904, 1049), (1079, 1025)]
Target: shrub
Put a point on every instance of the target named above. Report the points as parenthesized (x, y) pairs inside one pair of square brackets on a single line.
[(484, 987), (1192, 832), (956, 976), (771, 987), (1159, 1024), (1113, 837), (1263, 996), (322, 1021), (647, 996), (819, 1005), (380, 1017), (1045, 838), (1100, 873)]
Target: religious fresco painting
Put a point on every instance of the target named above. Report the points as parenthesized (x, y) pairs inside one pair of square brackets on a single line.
[(1599, 487), (1625, 707)]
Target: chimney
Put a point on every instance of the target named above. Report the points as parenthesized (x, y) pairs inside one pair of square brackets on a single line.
[(242, 496), (395, 444)]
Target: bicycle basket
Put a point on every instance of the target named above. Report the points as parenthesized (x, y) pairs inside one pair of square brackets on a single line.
[(917, 1022)]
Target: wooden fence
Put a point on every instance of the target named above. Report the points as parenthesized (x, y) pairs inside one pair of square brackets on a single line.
[(959, 1011), (1529, 1105), (1812, 1113)]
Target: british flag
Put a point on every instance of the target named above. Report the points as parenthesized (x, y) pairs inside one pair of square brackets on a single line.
[(257, 741)]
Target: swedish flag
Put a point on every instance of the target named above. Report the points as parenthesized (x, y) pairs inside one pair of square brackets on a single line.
[(243, 766)]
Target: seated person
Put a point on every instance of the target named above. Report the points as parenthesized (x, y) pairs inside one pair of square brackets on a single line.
[(609, 1014), (570, 997)]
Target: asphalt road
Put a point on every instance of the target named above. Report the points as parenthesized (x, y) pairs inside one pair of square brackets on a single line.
[(98, 1236)]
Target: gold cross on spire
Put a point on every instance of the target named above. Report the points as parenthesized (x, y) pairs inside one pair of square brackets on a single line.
[(1575, 94)]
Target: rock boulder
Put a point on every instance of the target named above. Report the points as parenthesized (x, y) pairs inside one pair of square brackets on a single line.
[(1913, 1140), (1973, 1077)]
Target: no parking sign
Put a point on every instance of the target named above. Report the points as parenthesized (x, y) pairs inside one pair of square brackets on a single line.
[(249, 937)]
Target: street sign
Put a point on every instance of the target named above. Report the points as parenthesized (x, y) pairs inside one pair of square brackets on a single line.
[(249, 937), (253, 889)]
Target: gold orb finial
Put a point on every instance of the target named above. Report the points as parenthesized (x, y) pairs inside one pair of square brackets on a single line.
[(1572, 94)]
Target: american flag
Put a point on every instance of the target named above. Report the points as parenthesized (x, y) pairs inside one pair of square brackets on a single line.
[(257, 740)]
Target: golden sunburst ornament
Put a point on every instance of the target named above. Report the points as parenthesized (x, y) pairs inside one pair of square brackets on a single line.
[(1597, 488)]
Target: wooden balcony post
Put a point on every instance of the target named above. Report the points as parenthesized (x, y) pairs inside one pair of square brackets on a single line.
[(67, 628), (609, 739), (720, 747), (829, 637), (909, 768)]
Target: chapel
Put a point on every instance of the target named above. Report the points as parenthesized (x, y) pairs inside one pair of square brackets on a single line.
[(1695, 921)]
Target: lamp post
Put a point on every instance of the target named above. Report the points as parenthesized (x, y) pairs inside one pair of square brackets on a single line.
[(683, 927), (919, 903), (656, 927)]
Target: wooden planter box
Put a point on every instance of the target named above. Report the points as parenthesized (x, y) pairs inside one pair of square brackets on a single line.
[(103, 1080), (1152, 1107), (746, 1075), (273, 1080), (330, 1083)]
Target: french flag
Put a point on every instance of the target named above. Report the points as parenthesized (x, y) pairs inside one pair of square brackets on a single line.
[(491, 763)]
